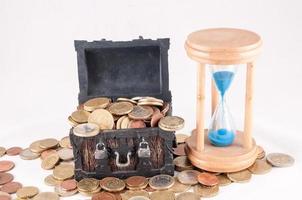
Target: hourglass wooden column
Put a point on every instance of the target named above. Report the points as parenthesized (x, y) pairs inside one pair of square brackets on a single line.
[(222, 46)]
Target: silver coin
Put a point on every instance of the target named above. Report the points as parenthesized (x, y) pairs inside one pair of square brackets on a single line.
[(280, 160), (188, 177), (161, 182), (27, 154), (86, 130)]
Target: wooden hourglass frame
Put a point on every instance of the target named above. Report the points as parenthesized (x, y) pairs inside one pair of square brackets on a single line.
[(222, 46)]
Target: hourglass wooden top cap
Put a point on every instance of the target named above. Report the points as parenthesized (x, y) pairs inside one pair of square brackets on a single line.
[(223, 46)]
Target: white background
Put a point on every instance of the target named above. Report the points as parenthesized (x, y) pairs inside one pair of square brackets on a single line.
[(39, 86)]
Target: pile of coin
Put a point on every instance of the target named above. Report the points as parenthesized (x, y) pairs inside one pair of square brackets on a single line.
[(124, 113)]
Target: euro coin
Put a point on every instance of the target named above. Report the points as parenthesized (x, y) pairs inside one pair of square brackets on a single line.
[(161, 182), (206, 191), (80, 116), (96, 103), (49, 143), (162, 195), (65, 142), (11, 187), (6, 178), (187, 195), (178, 187), (120, 108), (103, 196), (46, 195), (182, 163), (280, 160), (136, 181), (102, 118), (6, 165), (140, 113), (13, 151), (113, 185), (35, 147), (207, 179), (86, 130), (50, 161), (63, 172), (136, 124), (260, 167), (51, 181), (27, 154), (240, 177), (88, 185), (65, 154), (223, 180), (171, 123), (27, 192), (188, 177), (181, 138)]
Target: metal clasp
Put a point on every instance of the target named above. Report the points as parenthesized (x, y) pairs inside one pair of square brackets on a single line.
[(100, 151), (117, 160), (144, 149)]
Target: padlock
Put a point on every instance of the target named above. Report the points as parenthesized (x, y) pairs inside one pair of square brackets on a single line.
[(100, 151), (144, 149)]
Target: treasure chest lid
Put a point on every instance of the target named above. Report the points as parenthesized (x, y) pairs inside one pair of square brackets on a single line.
[(123, 69)]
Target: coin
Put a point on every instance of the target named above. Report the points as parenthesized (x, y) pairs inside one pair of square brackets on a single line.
[(65, 154), (88, 184), (149, 103), (80, 116), (140, 113), (35, 147), (161, 182), (11, 187), (27, 192), (63, 172), (2, 151), (13, 151), (46, 195), (171, 123), (182, 163), (65, 142), (96, 103), (6, 178), (260, 167), (68, 185), (162, 195), (103, 196), (136, 181), (260, 152), (121, 99), (179, 150), (90, 193), (48, 152), (181, 138), (156, 117), (51, 181), (188, 177), (150, 99), (178, 187), (120, 108), (103, 118), (27, 154), (49, 143), (113, 185), (205, 191), (86, 130), (187, 195), (64, 193), (223, 180), (72, 122), (5, 196), (240, 177), (165, 108), (280, 160), (139, 198), (125, 123), (50, 161), (207, 179), (136, 124), (6, 165)]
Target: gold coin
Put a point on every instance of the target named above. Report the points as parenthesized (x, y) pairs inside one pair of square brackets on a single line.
[(96, 103), (125, 123), (46, 196), (260, 167), (27, 192), (80, 116), (182, 163), (162, 195), (35, 147), (132, 193), (240, 177), (150, 103), (150, 99), (72, 122), (136, 98), (119, 122), (86, 130), (2, 151), (171, 123), (103, 118), (51, 181), (181, 138), (120, 108), (223, 180), (140, 113), (50, 161), (27, 154), (65, 142), (188, 195), (113, 185), (63, 172), (280, 160), (49, 143), (90, 193), (260, 152), (64, 193), (121, 99), (178, 187), (88, 185), (139, 198), (205, 191)]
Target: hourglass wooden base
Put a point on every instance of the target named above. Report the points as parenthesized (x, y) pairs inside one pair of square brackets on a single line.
[(221, 159)]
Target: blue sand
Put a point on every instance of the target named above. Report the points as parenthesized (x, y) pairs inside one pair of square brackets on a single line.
[(221, 137), (223, 80)]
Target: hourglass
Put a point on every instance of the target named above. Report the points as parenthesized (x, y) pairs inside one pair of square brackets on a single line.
[(221, 147)]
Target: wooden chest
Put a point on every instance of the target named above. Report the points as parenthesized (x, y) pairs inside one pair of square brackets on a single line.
[(124, 69)]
